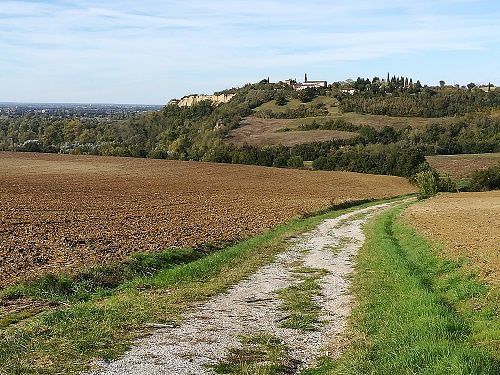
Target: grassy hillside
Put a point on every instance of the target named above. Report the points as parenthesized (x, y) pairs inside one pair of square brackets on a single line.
[(272, 124), (256, 131), (330, 103)]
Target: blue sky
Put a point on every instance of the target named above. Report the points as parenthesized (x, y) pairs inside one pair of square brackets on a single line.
[(150, 51)]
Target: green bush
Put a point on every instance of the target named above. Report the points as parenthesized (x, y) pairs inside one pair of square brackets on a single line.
[(295, 162), (378, 159), (446, 184), (427, 184), (487, 179), (307, 95), (281, 99)]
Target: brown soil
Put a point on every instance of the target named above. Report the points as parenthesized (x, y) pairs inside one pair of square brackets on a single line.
[(461, 166), (257, 131), (467, 224), (61, 212), (379, 121)]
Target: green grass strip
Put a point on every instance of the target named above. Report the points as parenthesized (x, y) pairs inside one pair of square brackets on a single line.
[(104, 325), (99, 281), (260, 354), (298, 300), (417, 313)]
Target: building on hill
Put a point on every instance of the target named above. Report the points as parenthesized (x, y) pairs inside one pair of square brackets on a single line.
[(350, 91), (297, 86)]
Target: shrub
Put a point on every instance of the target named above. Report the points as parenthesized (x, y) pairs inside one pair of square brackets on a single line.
[(487, 179), (295, 162), (427, 184), (446, 184), (281, 99), (307, 95)]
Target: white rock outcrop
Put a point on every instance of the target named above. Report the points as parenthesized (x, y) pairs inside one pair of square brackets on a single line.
[(190, 100)]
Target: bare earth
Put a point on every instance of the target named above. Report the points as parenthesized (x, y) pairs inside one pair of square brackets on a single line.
[(207, 334), (460, 166), (62, 212), (379, 121), (257, 131), (467, 224)]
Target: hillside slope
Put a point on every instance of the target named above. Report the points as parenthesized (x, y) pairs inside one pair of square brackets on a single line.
[(290, 124)]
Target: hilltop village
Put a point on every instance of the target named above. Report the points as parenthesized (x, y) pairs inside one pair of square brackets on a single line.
[(193, 99), (376, 85)]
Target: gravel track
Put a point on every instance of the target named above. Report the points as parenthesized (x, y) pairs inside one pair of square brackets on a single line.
[(252, 306)]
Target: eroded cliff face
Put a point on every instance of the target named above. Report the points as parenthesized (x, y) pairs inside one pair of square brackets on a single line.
[(193, 99)]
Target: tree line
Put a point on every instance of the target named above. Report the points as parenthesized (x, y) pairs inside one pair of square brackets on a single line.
[(199, 132), (427, 103)]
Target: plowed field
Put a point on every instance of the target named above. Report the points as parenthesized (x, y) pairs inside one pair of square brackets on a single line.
[(61, 212), (256, 131), (461, 166), (467, 224)]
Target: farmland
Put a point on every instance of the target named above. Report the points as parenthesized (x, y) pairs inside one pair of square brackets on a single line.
[(467, 224), (334, 112), (461, 166), (63, 212), (257, 131)]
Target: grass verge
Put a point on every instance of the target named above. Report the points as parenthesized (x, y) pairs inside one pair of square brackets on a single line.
[(98, 281), (417, 313), (103, 325)]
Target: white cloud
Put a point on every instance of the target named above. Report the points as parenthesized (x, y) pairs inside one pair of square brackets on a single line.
[(112, 42)]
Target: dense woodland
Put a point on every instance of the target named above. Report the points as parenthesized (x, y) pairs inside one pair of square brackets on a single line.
[(428, 103), (199, 132)]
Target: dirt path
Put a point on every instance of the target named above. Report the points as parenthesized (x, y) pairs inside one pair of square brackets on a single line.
[(212, 332)]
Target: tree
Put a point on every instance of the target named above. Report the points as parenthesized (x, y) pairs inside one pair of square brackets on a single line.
[(307, 95), (471, 85), (281, 99), (427, 184), (53, 134), (296, 162)]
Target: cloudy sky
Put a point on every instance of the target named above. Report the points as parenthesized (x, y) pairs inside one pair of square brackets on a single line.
[(150, 51)]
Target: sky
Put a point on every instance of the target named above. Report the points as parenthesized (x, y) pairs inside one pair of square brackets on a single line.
[(150, 51)]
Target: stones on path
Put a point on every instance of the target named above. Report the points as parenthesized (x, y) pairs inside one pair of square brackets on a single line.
[(211, 333)]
